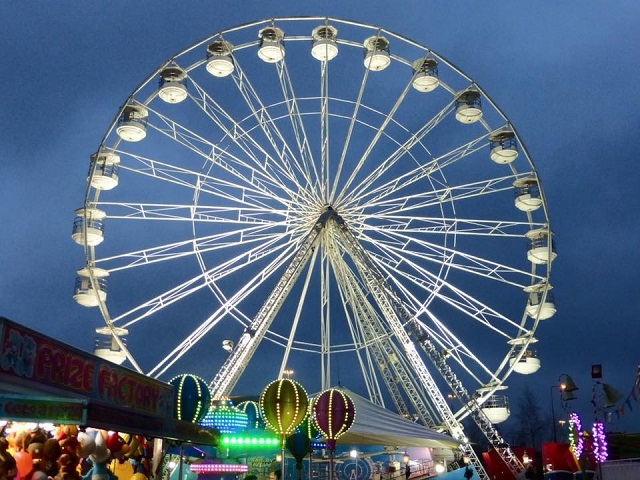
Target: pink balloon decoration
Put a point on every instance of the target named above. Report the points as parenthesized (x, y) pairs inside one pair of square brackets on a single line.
[(332, 413)]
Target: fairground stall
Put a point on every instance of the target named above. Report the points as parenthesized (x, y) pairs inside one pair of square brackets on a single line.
[(45, 381)]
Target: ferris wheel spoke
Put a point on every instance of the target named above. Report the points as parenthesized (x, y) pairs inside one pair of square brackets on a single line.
[(232, 304), (267, 124), (418, 277), (367, 152), (357, 191), (438, 196), (408, 226), (388, 191), (249, 146), (261, 235), (325, 178), (297, 125), (357, 104), (207, 278), (246, 173), (456, 259), (198, 181)]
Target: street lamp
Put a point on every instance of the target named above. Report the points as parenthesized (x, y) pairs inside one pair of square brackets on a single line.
[(566, 386)]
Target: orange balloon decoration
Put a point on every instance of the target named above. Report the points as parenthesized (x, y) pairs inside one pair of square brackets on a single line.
[(24, 463)]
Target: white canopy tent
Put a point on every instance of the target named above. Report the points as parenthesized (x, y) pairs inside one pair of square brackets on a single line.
[(375, 425)]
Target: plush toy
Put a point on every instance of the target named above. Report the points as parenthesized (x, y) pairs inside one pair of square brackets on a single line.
[(99, 459), (65, 431), (86, 445), (68, 467), (51, 451), (117, 445), (34, 445), (8, 467), (139, 453)]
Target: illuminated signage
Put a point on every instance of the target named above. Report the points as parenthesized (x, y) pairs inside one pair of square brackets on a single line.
[(29, 356), (42, 409)]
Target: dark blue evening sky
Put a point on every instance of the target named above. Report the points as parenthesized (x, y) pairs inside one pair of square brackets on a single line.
[(565, 74)]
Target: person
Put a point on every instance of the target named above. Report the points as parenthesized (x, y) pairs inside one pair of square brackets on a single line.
[(407, 471)]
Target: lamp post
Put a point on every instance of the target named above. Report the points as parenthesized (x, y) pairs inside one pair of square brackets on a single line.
[(553, 414), (566, 386)]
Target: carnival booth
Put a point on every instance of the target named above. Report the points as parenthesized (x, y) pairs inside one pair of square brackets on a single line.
[(92, 404)]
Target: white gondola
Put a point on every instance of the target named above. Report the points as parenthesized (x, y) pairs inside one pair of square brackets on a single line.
[(85, 293), (324, 46), (541, 248), (172, 85), (107, 347), (91, 220), (496, 408), (219, 59), (271, 49), (524, 359), (425, 74), (527, 194), (103, 172), (132, 125), (468, 106), (376, 53), (541, 302), (527, 364), (503, 146)]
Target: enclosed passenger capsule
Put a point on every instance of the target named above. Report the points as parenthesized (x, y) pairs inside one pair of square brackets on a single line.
[(541, 247), (93, 220), (172, 87), (103, 172), (496, 408), (324, 46), (106, 346), (219, 59), (425, 74), (541, 302), (503, 146), (271, 49), (527, 194), (376, 53), (468, 106), (85, 293), (523, 358), (132, 124)]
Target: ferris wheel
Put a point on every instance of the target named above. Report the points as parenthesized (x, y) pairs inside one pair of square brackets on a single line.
[(321, 195)]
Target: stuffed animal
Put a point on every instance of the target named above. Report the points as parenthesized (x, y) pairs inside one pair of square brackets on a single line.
[(8, 467), (117, 445), (99, 459), (51, 451), (65, 431), (86, 445), (34, 445), (68, 467)]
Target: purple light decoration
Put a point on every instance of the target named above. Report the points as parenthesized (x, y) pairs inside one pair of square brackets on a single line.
[(209, 468), (599, 442)]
